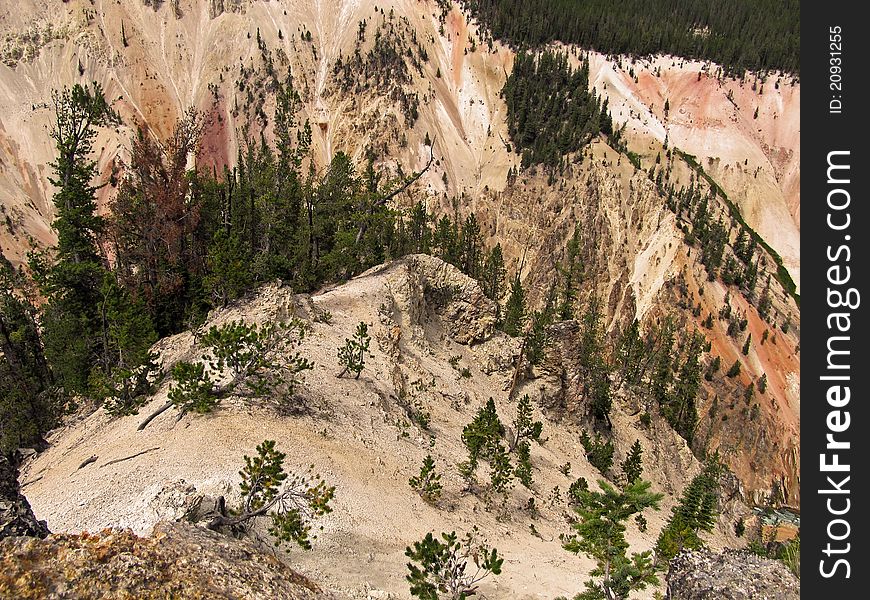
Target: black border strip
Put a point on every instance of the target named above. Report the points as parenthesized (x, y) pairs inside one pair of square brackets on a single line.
[(830, 31)]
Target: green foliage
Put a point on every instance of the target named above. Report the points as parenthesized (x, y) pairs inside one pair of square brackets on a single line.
[(30, 405), (96, 337), (524, 427), (571, 272), (192, 388), (575, 490), (291, 503), (713, 368), (258, 361), (550, 108), (492, 278), (229, 275), (762, 383), (428, 482), (482, 434), (732, 35), (523, 470), (450, 568), (645, 419), (599, 452), (600, 533), (695, 512), (734, 371), (632, 466), (678, 406), (352, 355), (515, 309), (641, 522), (747, 345), (501, 473), (261, 361), (740, 527), (127, 364), (593, 361)]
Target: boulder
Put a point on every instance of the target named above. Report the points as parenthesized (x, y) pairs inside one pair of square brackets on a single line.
[(730, 575), (178, 560)]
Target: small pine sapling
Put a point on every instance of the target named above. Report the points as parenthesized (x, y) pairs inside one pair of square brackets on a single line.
[(449, 567), (292, 503), (192, 389), (600, 533), (501, 474), (632, 466), (428, 482), (352, 355), (734, 371), (480, 435)]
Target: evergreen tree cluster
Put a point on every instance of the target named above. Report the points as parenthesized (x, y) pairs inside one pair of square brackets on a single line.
[(757, 35), (696, 512), (488, 439), (387, 66), (30, 405), (550, 109), (178, 242)]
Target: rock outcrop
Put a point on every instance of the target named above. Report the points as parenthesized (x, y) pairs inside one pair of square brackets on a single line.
[(178, 560), (16, 516), (730, 575)]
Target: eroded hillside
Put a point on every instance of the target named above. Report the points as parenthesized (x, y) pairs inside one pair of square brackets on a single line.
[(387, 75)]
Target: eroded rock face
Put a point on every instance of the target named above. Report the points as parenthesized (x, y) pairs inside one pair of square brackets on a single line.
[(16, 516), (178, 560), (731, 575), (456, 297)]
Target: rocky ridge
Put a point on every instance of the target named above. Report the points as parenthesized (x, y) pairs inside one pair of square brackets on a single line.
[(178, 560)]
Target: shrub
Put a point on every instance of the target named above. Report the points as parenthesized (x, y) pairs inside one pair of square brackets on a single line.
[(352, 355), (292, 503), (259, 361), (428, 482), (440, 568), (192, 389), (599, 452)]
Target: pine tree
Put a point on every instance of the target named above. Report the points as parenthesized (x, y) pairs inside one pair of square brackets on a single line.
[(291, 503), (734, 371), (599, 452), (600, 534), (428, 482), (515, 309), (523, 470), (762, 383), (351, 356), (445, 567), (695, 512), (492, 279), (501, 472), (632, 467), (482, 433), (713, 368), (95, 339), (525, 429), (29, 404)]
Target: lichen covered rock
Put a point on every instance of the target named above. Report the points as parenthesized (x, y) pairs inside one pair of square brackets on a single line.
[(178, 560), (731, 575)]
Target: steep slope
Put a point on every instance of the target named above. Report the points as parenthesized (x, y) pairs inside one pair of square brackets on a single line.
[(744, 133), (424, 317), (214, 56)]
